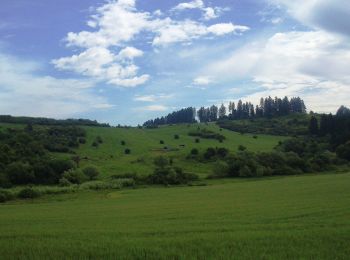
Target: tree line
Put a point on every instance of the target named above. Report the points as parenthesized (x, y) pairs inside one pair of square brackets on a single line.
[(49, 121), (268, 107)]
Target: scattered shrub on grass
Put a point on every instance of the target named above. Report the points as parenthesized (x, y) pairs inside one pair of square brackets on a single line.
[(176, 136), (255, 137), (99, 139), (194, 151), (197, 140), (123, 143), (95, 144), (82, 140), (242, 148), (127, 151), (91, 173), (28, 193), (161, 142)]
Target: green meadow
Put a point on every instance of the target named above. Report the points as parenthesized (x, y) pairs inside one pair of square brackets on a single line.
[(145, 145), (301, 217)]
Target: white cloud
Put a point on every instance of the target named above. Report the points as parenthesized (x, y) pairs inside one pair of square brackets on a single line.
[(115, 25), (209, 13), (310, 64), (155, 108), (225, 28), (24, 93), (152, 98), (202, 81)]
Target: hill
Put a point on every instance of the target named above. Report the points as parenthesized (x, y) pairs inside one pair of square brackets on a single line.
[(302, 217), (145, 144)]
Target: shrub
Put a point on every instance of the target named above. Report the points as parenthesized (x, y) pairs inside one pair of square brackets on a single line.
[(343, 151), (161, 142), (245, 172), (82, 140), (222, 152), (242, 148), (59, 166), (209, 153), (194, 151), (5, 196), (28, 193), (95, 144), (75, 176), (63, 182), (91, 173), (197, 140), (20, 173), (127, 151), (176, 136), (99, 139), (255, 137), (123, 143)]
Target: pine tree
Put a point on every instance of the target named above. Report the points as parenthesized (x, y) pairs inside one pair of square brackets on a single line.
[(313, 126)]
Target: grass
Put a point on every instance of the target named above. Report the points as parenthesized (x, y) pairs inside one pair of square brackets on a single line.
[(303, 217), (145, 144)]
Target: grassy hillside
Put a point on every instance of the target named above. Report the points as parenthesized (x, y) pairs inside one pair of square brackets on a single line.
[(304, 217), (144, 144)]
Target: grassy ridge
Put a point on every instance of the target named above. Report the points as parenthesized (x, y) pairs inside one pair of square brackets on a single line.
[(145, 144), (276, 218)]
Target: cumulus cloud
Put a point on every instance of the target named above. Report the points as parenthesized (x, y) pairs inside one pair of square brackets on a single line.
[(208, 12), (23, 93), (310, 64), (116, 24)]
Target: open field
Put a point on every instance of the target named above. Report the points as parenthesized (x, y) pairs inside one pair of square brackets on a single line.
[(145, 144), (304, 217)]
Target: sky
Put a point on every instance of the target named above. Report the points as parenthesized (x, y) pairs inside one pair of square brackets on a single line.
[(127, 61)]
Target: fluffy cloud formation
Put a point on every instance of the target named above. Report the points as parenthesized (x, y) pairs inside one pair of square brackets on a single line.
[(332, 16), (208, 12), (310, 64), (116, 24), (22, 93)]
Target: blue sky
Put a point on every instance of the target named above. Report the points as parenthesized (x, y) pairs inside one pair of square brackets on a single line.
[(126, 61)]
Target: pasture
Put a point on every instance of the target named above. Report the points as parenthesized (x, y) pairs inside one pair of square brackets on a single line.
[(295, 217)]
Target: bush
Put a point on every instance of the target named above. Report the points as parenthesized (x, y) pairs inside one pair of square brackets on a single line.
[(63, 182), (176, 137), (343, 151), (95, 144), (222, 152), (5, 196), (99, 139), (161, 142), (59, 166), (209, 153), (82, 140), (194, 151), (197, 140), (28, 193), (20, 173), (123, 143), (242, 148), (127, 151), (75, 176), (91, 173)]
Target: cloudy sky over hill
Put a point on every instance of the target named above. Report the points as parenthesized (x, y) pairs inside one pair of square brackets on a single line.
[(130, 60)]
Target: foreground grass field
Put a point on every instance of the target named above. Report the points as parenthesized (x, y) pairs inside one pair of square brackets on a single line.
[(304, 217)]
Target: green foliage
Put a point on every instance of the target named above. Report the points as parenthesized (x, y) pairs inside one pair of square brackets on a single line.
[(28, 193), (207, 134), (176, 136), (343, 151), (5, 196), (75, 176), (91, 173), (127, 151), (242, 148), (194, 151)]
